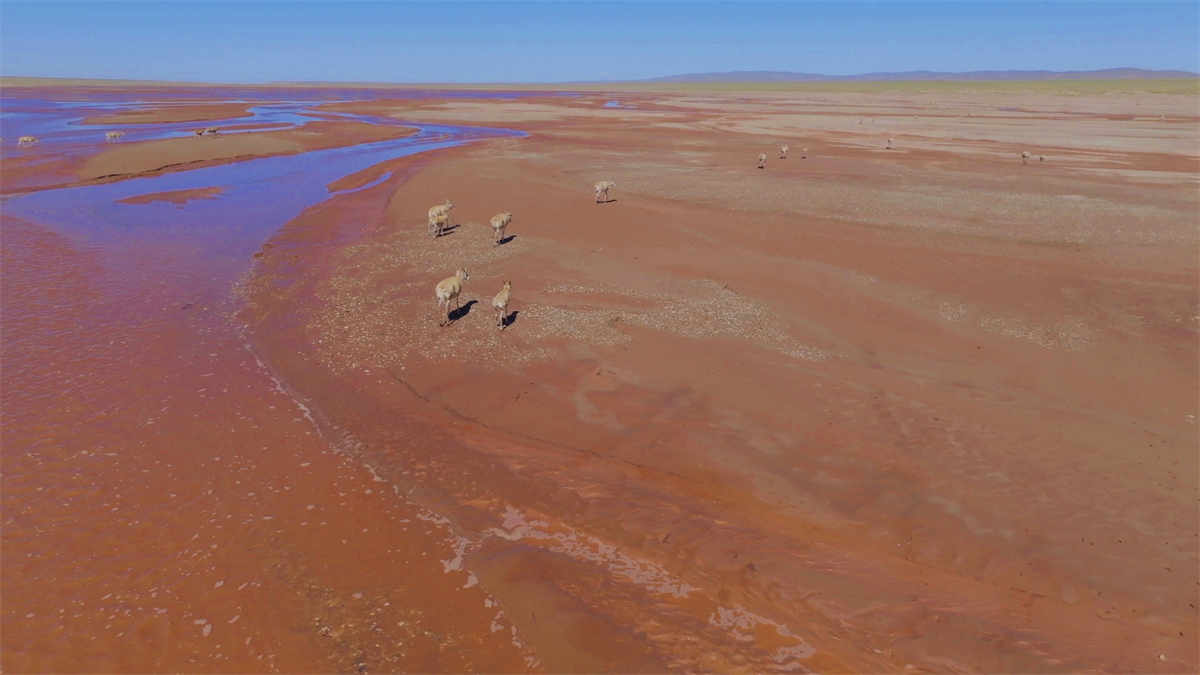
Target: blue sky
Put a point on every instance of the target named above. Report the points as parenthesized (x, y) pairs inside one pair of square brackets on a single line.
[(572, 41)]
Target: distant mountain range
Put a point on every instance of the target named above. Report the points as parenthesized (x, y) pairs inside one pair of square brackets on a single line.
[(974, 76)]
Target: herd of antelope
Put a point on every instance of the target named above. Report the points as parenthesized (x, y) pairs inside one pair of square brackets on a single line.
[(114, 136), (783, 151), (448, 290)]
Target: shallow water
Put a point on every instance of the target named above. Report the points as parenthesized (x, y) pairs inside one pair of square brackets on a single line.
[(263, 193)]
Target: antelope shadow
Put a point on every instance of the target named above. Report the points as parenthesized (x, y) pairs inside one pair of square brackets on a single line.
[(461, 311)]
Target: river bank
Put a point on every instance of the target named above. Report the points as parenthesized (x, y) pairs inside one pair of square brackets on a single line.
[(862, 410)]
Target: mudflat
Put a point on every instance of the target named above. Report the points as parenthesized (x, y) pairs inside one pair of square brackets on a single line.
[(922, 408)]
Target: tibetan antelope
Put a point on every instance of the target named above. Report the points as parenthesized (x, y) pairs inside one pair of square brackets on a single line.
[(500, 303), (441, 208), (448, 290), (499, 222), (602, 188), (438, 223)]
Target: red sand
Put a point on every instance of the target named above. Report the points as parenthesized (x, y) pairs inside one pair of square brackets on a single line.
[(922, 409)]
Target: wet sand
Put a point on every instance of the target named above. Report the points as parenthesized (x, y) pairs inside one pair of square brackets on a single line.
[(866, 410), (172, 153), (202, 524)]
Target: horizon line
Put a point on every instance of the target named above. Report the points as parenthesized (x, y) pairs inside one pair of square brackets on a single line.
[(886, 77)]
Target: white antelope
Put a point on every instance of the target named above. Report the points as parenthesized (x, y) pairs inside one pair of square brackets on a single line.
[(500, 303), (27, 140), (114, 136), (804, 153), (448, 290), (213, 131), (889, 147), (438, 223), (783, 151), (1025, 157), (762, 161), (499, 222), (199, 133), (603, 187)]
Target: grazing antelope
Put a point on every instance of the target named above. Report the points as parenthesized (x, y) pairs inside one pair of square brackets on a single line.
[(762, 161), (499, 222), (889, 147), (114, 136), (602, 188), (438, 223), (213, 131), (804, 153), (199, 133), (27, 140), (448, 290), (1025, 157), (500, 302), (441, 208), (783, 151)]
